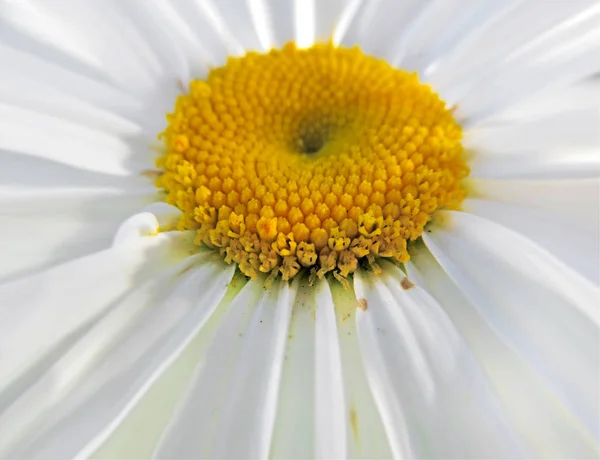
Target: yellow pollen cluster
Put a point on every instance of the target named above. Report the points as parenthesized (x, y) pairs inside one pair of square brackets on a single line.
[(311, 159)]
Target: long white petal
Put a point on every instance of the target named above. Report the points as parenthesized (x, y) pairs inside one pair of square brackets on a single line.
[(380, 381), (294, 433), (158, 30), (327, 16), (101, 36), (575, 246), (531, 300), (21, 172), (42, 228), (30, 67), (573, 201), (139, 48), (249, 412), (203, 32), (66, 297), (69, 143), (515, 82), (40, 390), (280, 21), (427, 53), (556, 146), (240, 378), (21, 87), (582, 95), (325, 406), (237, 18), (366, 434), (304, 22), (330, 410), (491, 46), (77, 424), (432, 376), (555, 132), (389, 17), (140, 432), (541, 419)]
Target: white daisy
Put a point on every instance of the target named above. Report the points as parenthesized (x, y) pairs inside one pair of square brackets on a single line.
[(124, 335)]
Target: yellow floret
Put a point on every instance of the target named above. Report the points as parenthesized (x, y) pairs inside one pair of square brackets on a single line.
[(310, 159)]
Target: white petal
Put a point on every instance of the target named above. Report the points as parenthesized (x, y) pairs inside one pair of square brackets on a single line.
[(548, 429), (495, 40), (330, 410), (346, 18), (425, 376), (237, 18), (40, 135), (557, 146), (203, 31), (576, 246), (573, 201), (562, 215), (294, 431), (19, 171), (572, 164), (535, 73), (115, 44), (40, 229), (328, 15), (166, 215), (325, 407), (548, 312), (535, 263), (261, 21), (249, 412), (574, 130), (135, 227), (101, 36), (197, 410), (185, 47), (387, 17), (240, 377), (366, 435), (583, 95), (28, 69), (82, 421), (25, 27), (280, 26), (41, 389), (139, 434), (71, 295), (426, 52), (23, 86), (157, 29), (281, 21), (305, 22), (380, 382), (119, 38)]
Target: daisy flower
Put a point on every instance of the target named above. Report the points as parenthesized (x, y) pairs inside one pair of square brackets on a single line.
[(298, 229)]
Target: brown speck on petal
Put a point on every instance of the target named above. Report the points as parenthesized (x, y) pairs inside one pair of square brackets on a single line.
[(362, 304), (354, 422), (406, 284)]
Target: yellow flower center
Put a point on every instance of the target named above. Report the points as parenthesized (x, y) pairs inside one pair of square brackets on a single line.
[(312, 158)]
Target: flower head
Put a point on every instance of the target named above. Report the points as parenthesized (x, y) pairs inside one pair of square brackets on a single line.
[(366, 229)]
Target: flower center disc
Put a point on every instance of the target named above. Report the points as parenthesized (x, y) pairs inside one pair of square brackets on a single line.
[(313, 158)]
